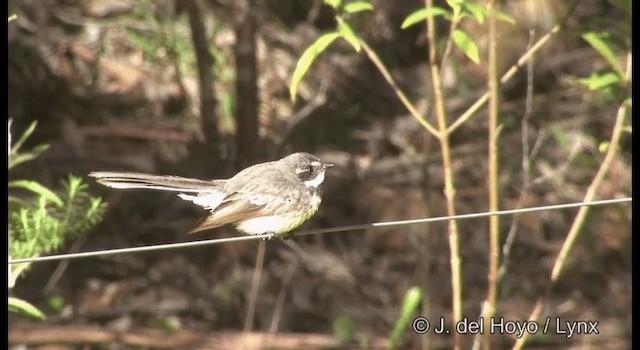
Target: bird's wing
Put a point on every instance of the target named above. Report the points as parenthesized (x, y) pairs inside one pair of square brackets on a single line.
[(239, 207), (208, 200)]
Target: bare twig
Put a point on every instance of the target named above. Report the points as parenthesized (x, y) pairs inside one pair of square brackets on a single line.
[(493, 186), (449, 185), (255, 287), (580, 218), (62, 266), (526, 165), (319, 99), (513, 70), (375, 59)]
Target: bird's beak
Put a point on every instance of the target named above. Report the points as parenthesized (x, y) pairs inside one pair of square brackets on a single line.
[(328, 165)]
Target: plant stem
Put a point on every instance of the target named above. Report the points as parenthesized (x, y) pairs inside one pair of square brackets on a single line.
[(403, 98), (449, 186), (493, 189), (580, 218)]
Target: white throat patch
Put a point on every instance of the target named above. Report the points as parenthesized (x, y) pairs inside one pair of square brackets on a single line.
[(316, 181)]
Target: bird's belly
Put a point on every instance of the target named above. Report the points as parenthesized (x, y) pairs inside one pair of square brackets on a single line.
[(278, 224), (265, 224)]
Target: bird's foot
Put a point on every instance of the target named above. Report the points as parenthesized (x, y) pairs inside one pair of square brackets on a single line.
[(272, 235)]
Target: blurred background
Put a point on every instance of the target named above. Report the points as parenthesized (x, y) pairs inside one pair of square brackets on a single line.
[(201, 89)]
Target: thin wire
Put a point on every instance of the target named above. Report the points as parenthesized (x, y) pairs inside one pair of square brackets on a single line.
[(317, 231)]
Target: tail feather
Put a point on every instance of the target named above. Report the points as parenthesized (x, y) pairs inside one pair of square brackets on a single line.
[(154, 182)]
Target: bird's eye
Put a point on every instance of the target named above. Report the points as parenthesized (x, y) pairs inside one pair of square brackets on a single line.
[(310, 168)]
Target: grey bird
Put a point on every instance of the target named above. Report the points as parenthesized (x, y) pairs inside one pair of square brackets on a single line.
[(267, 198)]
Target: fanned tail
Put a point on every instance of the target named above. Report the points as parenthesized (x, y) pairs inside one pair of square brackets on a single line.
[(154, 182)]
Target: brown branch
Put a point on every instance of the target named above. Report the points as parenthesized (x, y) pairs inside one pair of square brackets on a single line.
[(184, 339)]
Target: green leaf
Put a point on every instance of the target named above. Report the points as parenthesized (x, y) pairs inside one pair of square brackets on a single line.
[(333, 3), (15, 270), (505, 17), (466, 44), (37, 189), (24, 137), (307, 58), (25, 308), (456, 6), (357, 6), (410, 304), (478, 12), (598, 81), (455, 3), (424, 13), (599, 42), (347, 34), (17, 158)]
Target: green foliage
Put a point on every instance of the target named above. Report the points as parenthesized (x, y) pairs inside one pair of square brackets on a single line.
[(15, 157), (603, 147), (357, 6), (36, 188), (41, 220), (410, 304), (343, 328), (56, 303), (150, 42), (466, 45), (348, 34), (422, 14), (343, 30), (25, 308), (459, 10), (350, 6), (600, 42), (307, 58), (42, 225), (161, 41), (333, 3), (610, 82), (600, 80), (471, 8)]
